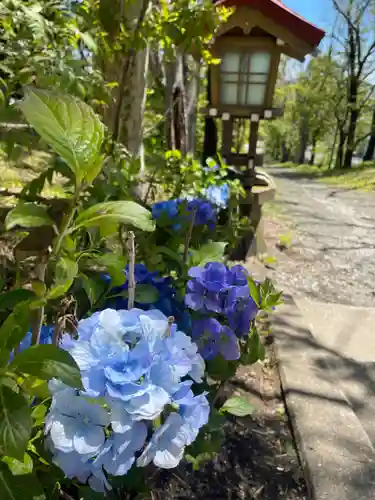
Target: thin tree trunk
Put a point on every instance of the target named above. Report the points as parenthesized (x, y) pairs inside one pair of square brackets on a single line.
[(370, 151), (340, 148), (304, 138), (313, 151), (285, 155), (192, 97)]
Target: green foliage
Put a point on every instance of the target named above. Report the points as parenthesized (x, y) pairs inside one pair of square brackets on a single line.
[(238, 406), (27, 215), (70, 127), (47, 362), (118, 212), (15, 423)]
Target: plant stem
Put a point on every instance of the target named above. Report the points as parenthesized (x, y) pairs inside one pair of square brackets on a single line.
[(39, 313), (131, 278), (42, 266), (189, 235)]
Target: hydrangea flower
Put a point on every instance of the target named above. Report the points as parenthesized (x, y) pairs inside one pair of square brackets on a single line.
[(167, 302), (167, 446), (214, 338), (173, 213), (134, 364), (215, 288), (218, 195)]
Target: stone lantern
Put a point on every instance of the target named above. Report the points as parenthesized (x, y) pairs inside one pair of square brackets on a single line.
[(249, 45)]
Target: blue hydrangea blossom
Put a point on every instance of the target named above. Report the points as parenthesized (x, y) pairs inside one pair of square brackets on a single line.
[(216, 290), (134, 365)]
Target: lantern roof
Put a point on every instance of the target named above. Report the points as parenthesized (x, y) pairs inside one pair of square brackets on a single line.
[(280, 14)]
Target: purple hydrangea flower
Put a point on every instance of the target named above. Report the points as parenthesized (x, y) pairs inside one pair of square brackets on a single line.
[(215, 288), (214, 338)]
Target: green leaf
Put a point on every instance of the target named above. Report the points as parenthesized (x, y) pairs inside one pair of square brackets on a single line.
[(69, 126), (16, 326), (254, 350), (125, 212), (210, 252), (47, 362), (237, 406), (115, 265), (38, 414), (15, 423), (14, 488), (220, 369), (18, 467), (95, 288), (27, 215), (66, 271), (146, 294), (254, 290), (4, 358), (9, 300), (36, 387)]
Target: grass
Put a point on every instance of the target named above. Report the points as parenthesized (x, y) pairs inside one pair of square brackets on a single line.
[(15, 174), (358, 177)]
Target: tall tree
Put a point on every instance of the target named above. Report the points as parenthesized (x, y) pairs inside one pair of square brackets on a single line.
[(358, 44)]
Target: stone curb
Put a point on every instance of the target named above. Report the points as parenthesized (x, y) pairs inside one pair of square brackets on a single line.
[(335, 452)]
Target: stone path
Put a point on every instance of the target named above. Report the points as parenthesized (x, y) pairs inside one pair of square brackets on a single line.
[(333, 257), (326, 335)]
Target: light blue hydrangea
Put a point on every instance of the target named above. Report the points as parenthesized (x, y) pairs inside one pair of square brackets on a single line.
[(136, 368)]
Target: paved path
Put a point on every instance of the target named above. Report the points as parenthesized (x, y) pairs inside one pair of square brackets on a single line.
[(334, 251), (330, 271)]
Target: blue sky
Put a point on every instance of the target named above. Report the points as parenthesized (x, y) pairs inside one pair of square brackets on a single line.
[(319, 12)]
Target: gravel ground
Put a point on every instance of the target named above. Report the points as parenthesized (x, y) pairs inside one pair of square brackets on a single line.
[(332, 257)]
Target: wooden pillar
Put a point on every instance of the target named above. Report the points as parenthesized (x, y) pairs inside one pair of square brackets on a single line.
[(227, 135)]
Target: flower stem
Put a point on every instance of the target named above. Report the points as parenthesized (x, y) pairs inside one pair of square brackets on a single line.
[(189, 235), (39, 313), (131, 277)]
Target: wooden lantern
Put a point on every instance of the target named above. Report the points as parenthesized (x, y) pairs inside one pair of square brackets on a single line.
[(249, 45)]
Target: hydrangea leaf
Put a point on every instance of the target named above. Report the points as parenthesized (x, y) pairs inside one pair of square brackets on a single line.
[(210, 252), (69, 126), (47, 362), (19, 467), (16, 326), (15, 423), (238, 406), (124, 212), (66, 271), (13, 488), (27, 215)]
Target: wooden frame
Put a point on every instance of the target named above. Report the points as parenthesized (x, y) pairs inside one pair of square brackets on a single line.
[(244, 45)]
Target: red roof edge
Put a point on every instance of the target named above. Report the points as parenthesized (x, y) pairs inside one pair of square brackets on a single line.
[(281, 14)]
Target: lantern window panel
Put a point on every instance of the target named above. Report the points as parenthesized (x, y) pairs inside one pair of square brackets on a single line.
[(244, 78)]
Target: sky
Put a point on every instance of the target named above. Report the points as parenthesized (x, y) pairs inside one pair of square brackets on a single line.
[(319, 12)]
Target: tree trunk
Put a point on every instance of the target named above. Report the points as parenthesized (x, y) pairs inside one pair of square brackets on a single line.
[(313, 151), (304, 138), (134, 107), (352, 99), (285, 155), (340, 148), (370, 151), (175, 105), (350, 143), (125, 111), (192, 97)]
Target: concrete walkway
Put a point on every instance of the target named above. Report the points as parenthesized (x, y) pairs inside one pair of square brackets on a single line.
[(327, 349), (330, 396)]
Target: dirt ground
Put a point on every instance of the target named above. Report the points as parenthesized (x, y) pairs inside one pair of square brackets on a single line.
[(258, 460)]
